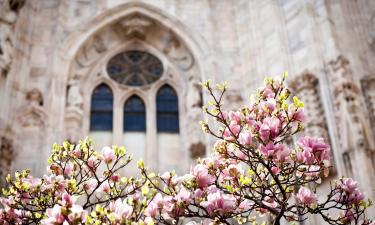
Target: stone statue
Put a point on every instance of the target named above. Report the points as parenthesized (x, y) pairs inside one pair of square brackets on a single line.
[(75, 99), (194, 94), (7, 20)]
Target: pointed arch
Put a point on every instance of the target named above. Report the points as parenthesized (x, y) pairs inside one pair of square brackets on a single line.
[(134, 115), (167, 110), (101, 112)]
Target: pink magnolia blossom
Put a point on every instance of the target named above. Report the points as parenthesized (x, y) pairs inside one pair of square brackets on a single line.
[(296, 114), (104, 187), (77, 212), (184, 196), (313, 146), (166, 177), (108, 155), (77, 151), (267, 92), (245, 138), (269, 105), (218, 202), (223, 115), (269, 128), (92, 163), (198, 194), (121, 209), (90, 185), (233, 171), (67, 200), (68, 169), (278, 152), (154, 206), (231, 132), (202, 176), (235, 117), (352, 194), (306, 196), (54, 216)]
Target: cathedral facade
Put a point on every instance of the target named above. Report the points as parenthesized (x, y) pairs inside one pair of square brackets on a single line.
[(127, 72)]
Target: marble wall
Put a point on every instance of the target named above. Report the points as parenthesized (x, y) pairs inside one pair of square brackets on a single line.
[(53, 54)]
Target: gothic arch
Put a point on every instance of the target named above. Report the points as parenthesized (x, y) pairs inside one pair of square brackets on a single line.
[(84, 53)]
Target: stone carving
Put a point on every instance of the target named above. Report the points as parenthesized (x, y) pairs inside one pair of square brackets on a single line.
[(178, 52), (7, 20), (74, 111), (306, 87), (75, 99), (7, 155), (91, 51), (32, 115), (34, 96), (349, 112), (194, 94), (354, 136), (368, 87), (134, 27), (197, 150)]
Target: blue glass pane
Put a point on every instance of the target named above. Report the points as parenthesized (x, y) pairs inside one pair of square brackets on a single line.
[(134, 115), (101, 121), (167, 110), (101, 109)]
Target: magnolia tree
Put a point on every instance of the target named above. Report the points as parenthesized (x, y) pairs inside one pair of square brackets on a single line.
[(254, 171)]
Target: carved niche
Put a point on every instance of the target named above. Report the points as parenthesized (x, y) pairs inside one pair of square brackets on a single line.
[(368, 89), (354, 131), (306, 87), (347, 102), (32, 114)]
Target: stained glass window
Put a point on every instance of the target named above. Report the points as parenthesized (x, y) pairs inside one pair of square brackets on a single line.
[(134, 114), (135, 68), (167, 110), (101, 109)]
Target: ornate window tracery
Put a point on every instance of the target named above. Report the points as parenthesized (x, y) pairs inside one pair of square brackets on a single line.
[(135, 68), (167, 110), (134, 114), (101, 109)]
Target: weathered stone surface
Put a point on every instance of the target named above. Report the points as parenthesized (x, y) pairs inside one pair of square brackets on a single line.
[(54, 53)]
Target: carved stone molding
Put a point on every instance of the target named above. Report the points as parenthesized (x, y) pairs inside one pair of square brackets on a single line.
[(354, 131), (134, 27)]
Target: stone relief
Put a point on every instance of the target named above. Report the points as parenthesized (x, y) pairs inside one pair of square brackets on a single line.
[(306, 87), (134, 27), (354, 132), (75, 99), (91, 51), (7, 155), (197, 150), (178, 53), (32, 115), (8, 17), (347, 102), (368, 88)]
